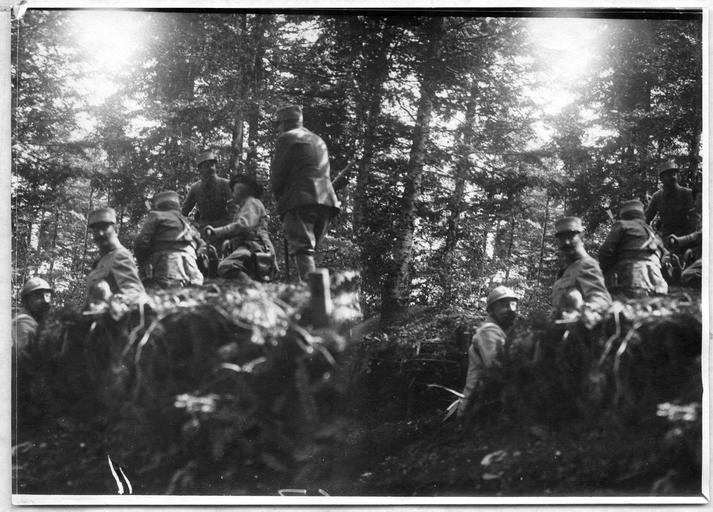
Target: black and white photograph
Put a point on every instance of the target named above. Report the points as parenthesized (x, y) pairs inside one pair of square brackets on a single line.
[(358, 256)]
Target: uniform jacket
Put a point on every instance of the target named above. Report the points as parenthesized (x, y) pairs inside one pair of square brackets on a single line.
[(585, 275), (214, 201), (118, 269), (166, 230), (24, 329), (629, 240), (673, 208), (299, 171), (488, 341), (249, 227)]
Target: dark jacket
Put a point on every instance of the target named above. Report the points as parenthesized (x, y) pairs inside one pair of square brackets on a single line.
[(629, 240), (214, 202), (299, 172), (673, 208)]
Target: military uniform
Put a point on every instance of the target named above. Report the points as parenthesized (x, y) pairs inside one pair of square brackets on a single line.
[(581, 275), (671, 204), (306, 202), (114, 269), (213, 200), (24, 329), (166, 246), (118, 269), (630, 257), (253, 252), (692, 275), (673, 208), (487, 344)]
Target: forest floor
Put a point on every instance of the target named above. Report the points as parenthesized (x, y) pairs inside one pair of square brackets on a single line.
[(389, 441)]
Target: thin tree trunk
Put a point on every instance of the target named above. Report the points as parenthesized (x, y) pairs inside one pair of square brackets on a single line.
[(396, 291), (53, 244), (86, 226), (542, 239), (510, 246)]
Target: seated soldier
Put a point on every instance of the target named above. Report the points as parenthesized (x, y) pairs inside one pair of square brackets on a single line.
[(253, 255), (168, 245), (631, 255), (489, 340), (692, 273)]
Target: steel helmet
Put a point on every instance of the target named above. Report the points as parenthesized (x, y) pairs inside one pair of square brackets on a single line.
[(33, 284), (668, 165), (501, 292)]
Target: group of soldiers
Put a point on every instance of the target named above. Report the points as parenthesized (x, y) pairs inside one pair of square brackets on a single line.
[(169, 248), (632, 263), (171, 251)]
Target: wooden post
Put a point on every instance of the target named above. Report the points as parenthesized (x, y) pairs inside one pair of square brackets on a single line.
[(321, 299)]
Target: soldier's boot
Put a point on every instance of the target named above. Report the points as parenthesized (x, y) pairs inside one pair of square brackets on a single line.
[(305, 265)]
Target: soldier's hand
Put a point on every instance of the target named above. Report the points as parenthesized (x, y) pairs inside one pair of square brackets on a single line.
[(673, 241), (209, 231)]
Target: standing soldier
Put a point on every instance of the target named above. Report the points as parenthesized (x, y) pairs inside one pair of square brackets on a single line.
[(580, 290), (167, 246), (253, 255), (299, 175), (489, 340), (211, 194), (630, 257), (114, 271), (672, 203), (36, 297)]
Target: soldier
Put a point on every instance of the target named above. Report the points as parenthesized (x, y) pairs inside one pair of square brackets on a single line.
[(211, 194), (692, 273), (253, 255), (672, 203), (630, 257), (299, 175), (580, 290), (489, 340), (114, 271), (36, 298), (167, 246)]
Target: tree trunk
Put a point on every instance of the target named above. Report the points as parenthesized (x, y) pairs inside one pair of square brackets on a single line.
[(395, 297), (542, 239)]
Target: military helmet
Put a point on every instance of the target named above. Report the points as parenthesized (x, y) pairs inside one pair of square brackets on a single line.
[(166, 196), (668, 165), (206, 156), (33, 284), (499, 293), (633, 205), (107, 215), (256, 189), (568, 224), (288, 113)]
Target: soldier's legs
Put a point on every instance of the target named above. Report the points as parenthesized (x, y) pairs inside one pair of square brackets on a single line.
[(693, 274), (235, 265), (304, 228)]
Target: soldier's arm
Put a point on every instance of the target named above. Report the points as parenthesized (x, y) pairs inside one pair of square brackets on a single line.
[(471, 378), (248, 218), (126, 275), (490, 341), (278, 166), (23, 333), (693, 239), (190, 202), (591, 283), (608, 250)]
